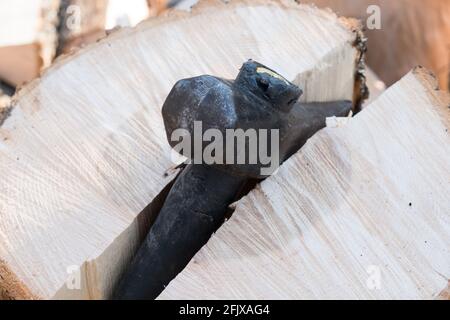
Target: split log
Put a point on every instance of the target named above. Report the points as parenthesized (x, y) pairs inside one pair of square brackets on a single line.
[(27, 38), (360, 212), (85, 21), (412, 32), (84, 151)]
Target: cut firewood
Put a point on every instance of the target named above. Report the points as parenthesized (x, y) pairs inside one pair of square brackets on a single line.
[(84, 151), (27, 38), (85, 21), (81, 21), (360, 212), (410, 33)]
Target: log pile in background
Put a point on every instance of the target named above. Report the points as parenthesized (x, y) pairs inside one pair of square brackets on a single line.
[(33, 32), (97, 16), (28, 38), (84, 149), (413, 32), (87, 27)]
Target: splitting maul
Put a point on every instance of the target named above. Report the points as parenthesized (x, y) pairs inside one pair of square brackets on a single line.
[(197, 204)]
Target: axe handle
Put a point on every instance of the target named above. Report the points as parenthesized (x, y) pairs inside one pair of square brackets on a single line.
[(194, 209)]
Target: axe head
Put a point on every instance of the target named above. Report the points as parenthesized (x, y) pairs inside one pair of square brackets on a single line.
[(259, 98)]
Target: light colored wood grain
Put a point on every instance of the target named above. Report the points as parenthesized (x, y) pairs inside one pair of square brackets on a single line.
[(370, 195), (84, 149), (27, 38)]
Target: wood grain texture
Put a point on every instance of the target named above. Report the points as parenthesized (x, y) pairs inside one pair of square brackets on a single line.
[(84, 149), (365, 199), (412, 33)]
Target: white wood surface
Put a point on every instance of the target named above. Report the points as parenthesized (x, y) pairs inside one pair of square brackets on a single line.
[(84, 150), (362, 211)]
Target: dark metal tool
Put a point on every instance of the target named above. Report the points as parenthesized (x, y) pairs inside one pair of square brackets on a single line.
[(196, 206)]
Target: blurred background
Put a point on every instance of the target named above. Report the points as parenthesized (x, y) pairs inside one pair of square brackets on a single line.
[(401, 33)]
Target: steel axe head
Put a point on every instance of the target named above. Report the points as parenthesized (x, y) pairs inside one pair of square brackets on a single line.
[(258, 99)]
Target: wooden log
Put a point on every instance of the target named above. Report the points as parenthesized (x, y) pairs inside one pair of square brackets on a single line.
[(5, 101), (360, 212), (84, 150), (27, 38), (411, 33)]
